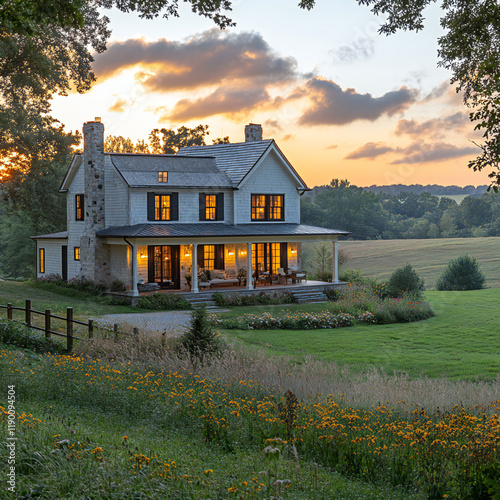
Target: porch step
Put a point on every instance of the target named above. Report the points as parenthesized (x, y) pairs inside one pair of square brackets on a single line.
[(307, 296)]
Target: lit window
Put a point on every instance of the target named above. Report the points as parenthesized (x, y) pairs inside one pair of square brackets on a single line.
[(77, 253), (162, 176), (209, 256), (79, 207), (276, 207), (268, 207), (211, 207), (162, 207), (41, 259), (258, 207)]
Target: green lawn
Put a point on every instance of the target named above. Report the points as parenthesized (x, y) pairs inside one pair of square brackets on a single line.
[(461, 342), (378, 259), (84, 306)]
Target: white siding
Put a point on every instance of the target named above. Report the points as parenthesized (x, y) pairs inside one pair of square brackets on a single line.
[(115, 197), (189, 206), (120, 265), (53, 259), (270, 177), (75, 228)]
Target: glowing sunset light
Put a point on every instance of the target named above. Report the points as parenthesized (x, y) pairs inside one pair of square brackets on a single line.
[(341, 100)]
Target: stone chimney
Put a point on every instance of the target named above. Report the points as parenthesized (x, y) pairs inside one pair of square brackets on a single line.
[(94, 255), (253, 132)]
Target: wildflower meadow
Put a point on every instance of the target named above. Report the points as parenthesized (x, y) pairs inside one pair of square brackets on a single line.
[(416, 453)]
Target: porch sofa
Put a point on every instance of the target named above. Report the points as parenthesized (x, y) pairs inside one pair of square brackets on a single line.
[(219, 277)]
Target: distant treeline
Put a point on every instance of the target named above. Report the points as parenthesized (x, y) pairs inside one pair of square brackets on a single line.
[(434, 189), (406, 214)]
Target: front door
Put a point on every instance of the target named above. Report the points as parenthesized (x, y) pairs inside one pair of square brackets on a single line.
[(164, 265)]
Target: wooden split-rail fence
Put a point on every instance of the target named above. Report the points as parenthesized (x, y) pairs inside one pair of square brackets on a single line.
[(70, 322)]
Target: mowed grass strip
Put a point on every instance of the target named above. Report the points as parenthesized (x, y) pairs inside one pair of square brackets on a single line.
[(461, 342), (378, 259)]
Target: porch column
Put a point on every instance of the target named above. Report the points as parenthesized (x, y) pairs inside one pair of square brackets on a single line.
[(249, 267), (194, 269), (135, 291), (335, 262)]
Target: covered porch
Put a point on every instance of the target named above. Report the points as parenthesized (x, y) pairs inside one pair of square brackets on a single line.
[(194, 258)]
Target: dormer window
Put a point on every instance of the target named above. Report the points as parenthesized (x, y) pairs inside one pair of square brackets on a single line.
[(162, 176), (268, 207)]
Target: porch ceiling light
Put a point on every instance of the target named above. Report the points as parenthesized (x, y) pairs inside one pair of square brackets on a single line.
[(143, 255)]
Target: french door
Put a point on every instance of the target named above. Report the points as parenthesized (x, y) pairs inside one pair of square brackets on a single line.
[(269, 257), (164, 265)]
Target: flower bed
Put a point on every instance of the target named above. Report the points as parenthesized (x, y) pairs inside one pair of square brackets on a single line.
[(289, 321)]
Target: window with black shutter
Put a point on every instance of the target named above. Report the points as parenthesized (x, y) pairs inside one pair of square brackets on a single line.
[(211, 206), (163, 207)]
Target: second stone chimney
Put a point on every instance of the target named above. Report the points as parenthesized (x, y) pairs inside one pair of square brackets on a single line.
[(253, 132)]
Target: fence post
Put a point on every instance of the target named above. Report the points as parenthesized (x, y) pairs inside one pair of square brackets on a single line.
[(9, 311), (28, 312), (91, 328), (47, 323), (69, 329), (136, 334), (115, 330)]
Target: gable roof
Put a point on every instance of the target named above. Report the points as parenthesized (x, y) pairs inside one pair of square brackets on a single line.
[(141, 170), (238, 159)]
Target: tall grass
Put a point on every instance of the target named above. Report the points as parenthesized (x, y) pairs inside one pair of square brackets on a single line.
[(440, 453), (307, 379)]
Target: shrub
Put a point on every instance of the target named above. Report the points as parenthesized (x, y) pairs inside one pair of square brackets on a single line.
[(355, 277), (163, 302), (54, 283), (461, 274), (12, 333), (402, 310), (239, 299), (117, 286), (201, 340), (405, 280)]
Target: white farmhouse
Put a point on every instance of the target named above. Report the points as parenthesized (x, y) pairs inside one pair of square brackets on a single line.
[(145, 218)]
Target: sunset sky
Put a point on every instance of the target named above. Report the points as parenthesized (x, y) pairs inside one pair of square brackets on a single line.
[(341, 100)]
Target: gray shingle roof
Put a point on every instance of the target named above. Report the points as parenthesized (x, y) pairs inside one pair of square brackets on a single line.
[(236, 159), (51, 236), (210, 229), (141, 170)]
